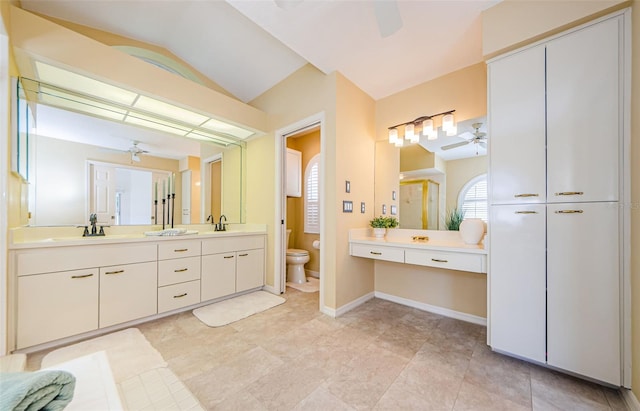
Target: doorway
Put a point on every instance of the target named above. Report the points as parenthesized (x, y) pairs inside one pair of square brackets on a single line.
[(294, 130)]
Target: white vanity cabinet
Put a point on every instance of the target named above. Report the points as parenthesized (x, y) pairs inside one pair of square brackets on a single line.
[(555, 261), (128, 292), (178, 274), (56, 305), (232, 264)]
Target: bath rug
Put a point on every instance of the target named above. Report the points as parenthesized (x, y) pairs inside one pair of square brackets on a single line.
[(311, 286), (234, 309), (128, 351)]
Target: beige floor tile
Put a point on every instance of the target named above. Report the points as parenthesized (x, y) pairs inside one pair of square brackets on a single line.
[(552, 389), (322, 400), (503, 380), (614, 397), (474, 398), (402, 339), (240, 401), (442, 358)]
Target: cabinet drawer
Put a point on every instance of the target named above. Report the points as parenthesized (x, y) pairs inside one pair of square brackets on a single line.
[(442, 259), (178, 249), (226, 244), (179, 270), (180, 295), (74, 258), (378, 253)]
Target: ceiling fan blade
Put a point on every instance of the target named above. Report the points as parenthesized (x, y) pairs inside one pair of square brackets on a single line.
[(388, 16), (454, 145), (483, 144)]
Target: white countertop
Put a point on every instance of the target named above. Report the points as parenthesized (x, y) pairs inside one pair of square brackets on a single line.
[(396, 237), (43, 237)]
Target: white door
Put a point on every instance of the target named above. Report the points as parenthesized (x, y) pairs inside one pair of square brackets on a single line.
[(583, 114), (517, 282), (583, 292), (517, 128), (103, 193)]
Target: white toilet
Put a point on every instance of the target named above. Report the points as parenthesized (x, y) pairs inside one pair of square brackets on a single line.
[(296, 259)]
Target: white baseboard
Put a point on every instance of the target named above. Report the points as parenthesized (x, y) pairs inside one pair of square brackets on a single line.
[(332, 312), (270, 289), (630, 399), (433, 309), (311, 273)]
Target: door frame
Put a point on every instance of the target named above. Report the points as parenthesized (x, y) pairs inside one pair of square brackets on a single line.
[(205, 187), (280, 231)]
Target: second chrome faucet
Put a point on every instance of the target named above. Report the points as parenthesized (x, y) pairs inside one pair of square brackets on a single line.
[(219, 226)]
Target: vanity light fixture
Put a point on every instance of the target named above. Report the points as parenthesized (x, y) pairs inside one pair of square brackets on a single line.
[(428, 128)]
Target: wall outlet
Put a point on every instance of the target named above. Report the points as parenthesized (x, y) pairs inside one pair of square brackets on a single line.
[(347, 206), (362, 207), (384, 209)]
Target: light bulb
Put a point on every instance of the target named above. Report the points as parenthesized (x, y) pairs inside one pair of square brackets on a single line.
[(409, 132), (447, 122), (427, 127), (393, 135), (433, 135), (452, 131), (399, 142)]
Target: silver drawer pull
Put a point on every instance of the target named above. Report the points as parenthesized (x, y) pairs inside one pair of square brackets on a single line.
[(242, 255), (180, 270), (439, 261), (569, 212), (114, 272), (82, 276), (525, 195), (180, 295), (570, 193), (375, 253), (526, 212), (181, 250), (228, 256)]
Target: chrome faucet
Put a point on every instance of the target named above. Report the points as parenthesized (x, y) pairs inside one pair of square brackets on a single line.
[(221, 226), (93, 220), (212, 219)]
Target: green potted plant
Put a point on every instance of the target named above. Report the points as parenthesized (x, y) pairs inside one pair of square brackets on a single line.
[(380, 225), (454, 219)]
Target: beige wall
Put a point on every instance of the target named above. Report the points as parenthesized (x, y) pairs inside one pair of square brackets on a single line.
[(309, 146), (465, 91), (512, 24), (459, 172)]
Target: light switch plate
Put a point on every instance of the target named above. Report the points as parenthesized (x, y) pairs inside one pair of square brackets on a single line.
[(362, 207), (384, 209), (394, 210), (347, 206)]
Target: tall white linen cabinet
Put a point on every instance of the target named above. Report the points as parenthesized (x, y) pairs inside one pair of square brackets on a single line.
[(558, 173)]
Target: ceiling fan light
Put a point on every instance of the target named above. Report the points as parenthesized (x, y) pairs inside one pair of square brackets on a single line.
[(447, 122), (409, 132), (427, 127), (393, 135), (135, 157)]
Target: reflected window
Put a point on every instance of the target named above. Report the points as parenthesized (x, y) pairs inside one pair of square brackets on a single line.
[(473, 198), (312, 196)]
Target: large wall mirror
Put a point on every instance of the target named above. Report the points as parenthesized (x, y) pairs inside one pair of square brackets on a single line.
[(432, 174), (81, 164)]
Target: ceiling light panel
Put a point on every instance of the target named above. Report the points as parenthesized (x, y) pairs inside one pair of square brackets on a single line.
[(76, 82), (226, 128), (78, 104), (169, 110), (156, 124), (202, 136)]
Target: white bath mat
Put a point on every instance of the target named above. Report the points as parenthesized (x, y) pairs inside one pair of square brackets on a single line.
[(311, 286), (128, 351), (237, 308)]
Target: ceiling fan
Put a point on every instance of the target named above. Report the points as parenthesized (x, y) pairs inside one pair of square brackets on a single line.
[(136, 151), (477, 137)]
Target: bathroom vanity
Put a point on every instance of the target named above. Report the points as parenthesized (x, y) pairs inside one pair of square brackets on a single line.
[(66, 288)]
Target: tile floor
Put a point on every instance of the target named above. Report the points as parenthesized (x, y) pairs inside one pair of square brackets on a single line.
[(379, 356)]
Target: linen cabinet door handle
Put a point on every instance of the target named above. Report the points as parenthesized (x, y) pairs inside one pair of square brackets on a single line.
[(526, 212), (114, 272), (81, 276), (242, 255), (525, 195), (181, 250), (180, 295), (228, 256), (439, 261), (375, 253), (570, 193), (569, 212), (180, 270)]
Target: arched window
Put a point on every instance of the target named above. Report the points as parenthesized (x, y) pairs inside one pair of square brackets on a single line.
[(312, 196), (473, 198)]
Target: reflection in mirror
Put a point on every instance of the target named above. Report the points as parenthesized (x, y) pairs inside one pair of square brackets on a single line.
[(444, 165), (69, 147)]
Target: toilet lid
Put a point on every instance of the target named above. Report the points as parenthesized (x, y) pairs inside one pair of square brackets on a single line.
[(295, 251)]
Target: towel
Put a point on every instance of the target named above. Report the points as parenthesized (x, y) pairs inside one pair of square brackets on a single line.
[(30, 391)]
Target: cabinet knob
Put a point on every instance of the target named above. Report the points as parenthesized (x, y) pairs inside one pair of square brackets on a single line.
[(525, 195), (181, 250), (439, 261), (526, 212), (180, 270), (242, 255), (570, 193), (81, 276), (114, 272), (375, 253), (180, 295), (569, 212)]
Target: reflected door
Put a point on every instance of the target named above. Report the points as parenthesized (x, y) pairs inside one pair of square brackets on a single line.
[(103, 189), (215, 177)]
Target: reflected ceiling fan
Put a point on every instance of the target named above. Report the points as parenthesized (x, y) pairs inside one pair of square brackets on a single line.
[(477, 137), (136, 151)]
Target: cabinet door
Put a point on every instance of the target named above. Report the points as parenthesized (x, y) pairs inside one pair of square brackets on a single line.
[(583, 114), (517, 128), (583, 270), (517, 280), (128, 292), (56, 305), (249, 269), (218, 275)]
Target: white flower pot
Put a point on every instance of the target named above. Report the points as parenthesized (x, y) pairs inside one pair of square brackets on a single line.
[(472, 230), (379, 232)]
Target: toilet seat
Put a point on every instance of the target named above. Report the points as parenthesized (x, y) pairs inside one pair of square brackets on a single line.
[(294, 252)]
